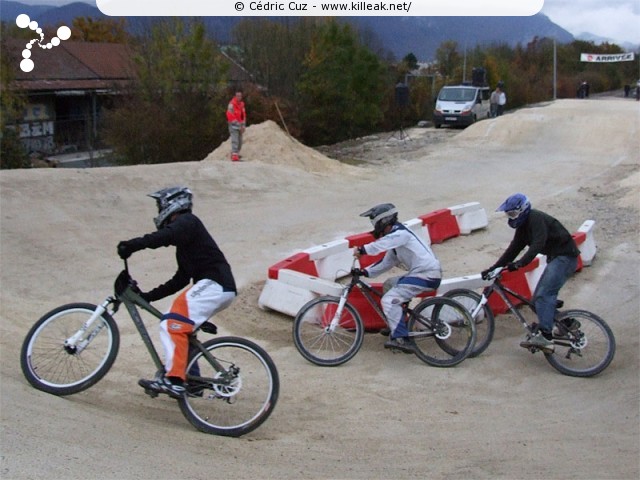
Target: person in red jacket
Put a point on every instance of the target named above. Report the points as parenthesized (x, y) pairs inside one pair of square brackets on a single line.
[(237, 119)]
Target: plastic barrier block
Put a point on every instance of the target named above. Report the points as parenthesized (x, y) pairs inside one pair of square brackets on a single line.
[(360, 239), (534, 271), (471, 282), (417, 226), (299, 262), (469, 216), (309, 282), (588, 245), (369, 316), (516, 281), (579, 238), (441, 224), (284, 298), (335, 266), (326, 249)]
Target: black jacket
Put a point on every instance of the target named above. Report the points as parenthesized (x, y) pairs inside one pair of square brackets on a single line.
[(197, 254), (543, 234)]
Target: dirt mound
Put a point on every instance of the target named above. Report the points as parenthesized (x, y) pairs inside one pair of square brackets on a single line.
[(267, 143)]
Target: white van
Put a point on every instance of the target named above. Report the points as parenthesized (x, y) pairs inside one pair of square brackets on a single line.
[(461, 105)]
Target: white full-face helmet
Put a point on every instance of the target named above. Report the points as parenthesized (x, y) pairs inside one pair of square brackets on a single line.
[(171, 200), (381, 216)]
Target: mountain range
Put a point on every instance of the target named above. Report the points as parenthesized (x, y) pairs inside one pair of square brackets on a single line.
[(398, 35)]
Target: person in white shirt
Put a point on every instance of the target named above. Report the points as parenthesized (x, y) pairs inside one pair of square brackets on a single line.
[(406, 250)]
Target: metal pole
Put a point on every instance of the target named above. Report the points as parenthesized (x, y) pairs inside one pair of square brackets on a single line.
[(555, 72)]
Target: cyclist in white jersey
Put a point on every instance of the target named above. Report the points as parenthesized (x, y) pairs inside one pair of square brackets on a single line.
[(406, 250)]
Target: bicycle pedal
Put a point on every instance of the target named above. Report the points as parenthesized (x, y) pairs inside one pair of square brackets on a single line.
[(151, 393)]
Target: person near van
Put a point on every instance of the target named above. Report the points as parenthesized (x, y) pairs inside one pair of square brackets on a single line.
[(493, 102), (541, 233), (236, 119), (502, 101), (403, 248)]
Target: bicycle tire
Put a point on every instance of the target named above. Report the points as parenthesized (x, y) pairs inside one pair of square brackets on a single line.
[(585, 352), (442, 331), (243, 405), (485, 322), (320, 346), (50, 367)]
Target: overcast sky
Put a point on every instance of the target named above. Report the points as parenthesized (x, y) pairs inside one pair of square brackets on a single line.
[(618, 20)]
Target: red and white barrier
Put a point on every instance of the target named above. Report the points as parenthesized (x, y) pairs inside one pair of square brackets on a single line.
[(306, 275), (290, 283)]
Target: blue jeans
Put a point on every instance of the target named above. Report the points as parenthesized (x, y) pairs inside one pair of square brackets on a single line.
[(545, 296)]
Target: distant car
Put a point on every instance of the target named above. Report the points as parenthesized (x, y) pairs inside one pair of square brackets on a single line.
[(461, 105)]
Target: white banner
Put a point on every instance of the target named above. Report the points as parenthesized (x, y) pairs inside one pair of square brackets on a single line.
[(315, 8), (607, 58)]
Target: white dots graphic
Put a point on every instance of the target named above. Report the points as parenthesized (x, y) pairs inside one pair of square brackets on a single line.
[(23, 21)]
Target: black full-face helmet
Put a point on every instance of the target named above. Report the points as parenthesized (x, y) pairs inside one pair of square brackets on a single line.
[(381, 216), (171, 200)]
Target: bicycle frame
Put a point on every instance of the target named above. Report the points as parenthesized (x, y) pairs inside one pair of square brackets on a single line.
[(502, 291), (131, 301), (367, 292)]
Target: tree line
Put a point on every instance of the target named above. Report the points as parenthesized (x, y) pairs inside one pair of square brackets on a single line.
[(325, 80)]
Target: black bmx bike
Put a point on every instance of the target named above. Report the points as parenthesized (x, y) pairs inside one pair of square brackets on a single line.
[(73, 346), (584, 344), (329, 331)]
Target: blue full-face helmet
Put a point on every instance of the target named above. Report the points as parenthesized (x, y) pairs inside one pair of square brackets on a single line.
[(517, 208)]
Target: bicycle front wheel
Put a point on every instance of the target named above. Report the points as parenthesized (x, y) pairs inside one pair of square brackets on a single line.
[(53, 367), (237, 399), (584, 344), (322, 344), (443, 331), (484, 320)]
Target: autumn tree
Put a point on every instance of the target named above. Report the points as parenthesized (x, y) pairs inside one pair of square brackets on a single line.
[(110, 30), (12, 154), (342, 88), (175, 110)]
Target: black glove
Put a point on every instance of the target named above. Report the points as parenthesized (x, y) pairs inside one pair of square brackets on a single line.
[(125, 249), (359, 272), (513, 266)]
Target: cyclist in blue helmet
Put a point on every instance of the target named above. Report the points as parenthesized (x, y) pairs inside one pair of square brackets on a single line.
[(543, 234)]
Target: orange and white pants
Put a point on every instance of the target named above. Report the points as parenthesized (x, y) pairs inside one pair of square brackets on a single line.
[(190, 309)]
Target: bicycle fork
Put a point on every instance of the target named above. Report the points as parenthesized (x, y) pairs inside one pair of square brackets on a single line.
[(76, 343), (335, 321)]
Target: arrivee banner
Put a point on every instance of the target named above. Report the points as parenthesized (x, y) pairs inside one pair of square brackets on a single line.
[(606, 58)]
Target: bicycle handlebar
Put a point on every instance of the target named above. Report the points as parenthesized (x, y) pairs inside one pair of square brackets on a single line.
[(494, 274)]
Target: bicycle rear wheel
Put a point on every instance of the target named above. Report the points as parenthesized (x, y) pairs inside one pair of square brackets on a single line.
[(54, 368), (484, 320), (237, 400), (317, 342), (582, 349), (443, 331)]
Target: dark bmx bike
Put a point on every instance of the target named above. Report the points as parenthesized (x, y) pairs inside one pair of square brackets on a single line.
[(584, 344), (73, 346), (329, 331)]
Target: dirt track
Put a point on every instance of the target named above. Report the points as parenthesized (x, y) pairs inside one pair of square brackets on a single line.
[(506, 414)]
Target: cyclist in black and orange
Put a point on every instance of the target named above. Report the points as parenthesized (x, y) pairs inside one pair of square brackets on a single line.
[(201, 263)]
